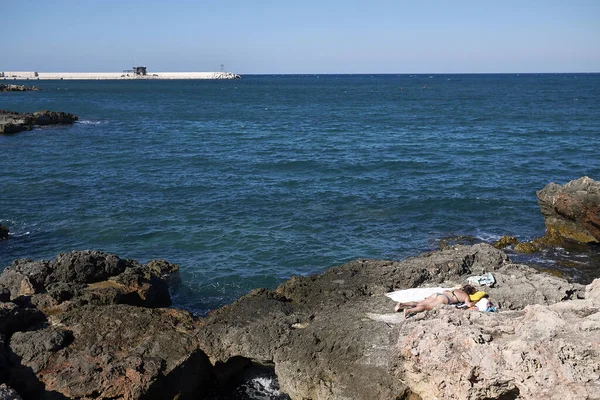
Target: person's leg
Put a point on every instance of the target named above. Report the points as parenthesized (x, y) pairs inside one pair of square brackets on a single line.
[(404, 305), (427, 304), (414, 310)]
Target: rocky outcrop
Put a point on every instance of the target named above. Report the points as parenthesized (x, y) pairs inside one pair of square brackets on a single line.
[(14, 122), (91, 325), (538, 352), (17, 88), (115, 351), (3, 232), (88, 277), (333, 336), (571, 215), (572, 210)]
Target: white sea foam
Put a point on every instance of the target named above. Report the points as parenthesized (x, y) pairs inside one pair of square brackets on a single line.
[(16, 229), (262, 388), (19, 234), (88, 122)]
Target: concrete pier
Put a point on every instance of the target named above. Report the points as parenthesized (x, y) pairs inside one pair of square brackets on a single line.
[(32, 75)]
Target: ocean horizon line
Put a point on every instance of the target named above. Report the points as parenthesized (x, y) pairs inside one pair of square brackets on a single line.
[(313, 73), (418, 73)]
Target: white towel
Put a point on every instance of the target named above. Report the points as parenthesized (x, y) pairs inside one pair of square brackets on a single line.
[(414, 294)]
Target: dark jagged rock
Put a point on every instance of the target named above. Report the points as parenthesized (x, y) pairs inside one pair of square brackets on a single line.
[(88, 325), (53, 118), (17, 88), (116, 351), (14, 122), (88, 277), (3, 232), (28, 277), (8, 393)]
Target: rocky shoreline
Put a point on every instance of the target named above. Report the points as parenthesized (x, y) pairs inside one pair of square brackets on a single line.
[(91, 325), (14, 122)]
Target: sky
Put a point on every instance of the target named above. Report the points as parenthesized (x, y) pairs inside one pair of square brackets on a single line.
[(301, 37)]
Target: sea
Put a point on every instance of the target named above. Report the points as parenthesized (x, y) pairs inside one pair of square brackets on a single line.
[(245, 183)]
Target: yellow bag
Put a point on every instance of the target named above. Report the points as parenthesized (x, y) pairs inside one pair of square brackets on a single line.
[(477, 296)]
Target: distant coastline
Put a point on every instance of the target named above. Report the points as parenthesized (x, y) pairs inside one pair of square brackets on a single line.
[(125, 75)]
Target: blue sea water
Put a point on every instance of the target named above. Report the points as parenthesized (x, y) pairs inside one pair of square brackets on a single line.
[(245, 183)]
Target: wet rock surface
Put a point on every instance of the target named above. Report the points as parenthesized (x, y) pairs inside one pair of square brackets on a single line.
[(14, 122)]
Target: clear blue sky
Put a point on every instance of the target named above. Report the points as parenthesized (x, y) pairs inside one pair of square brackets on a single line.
[(284, 36)]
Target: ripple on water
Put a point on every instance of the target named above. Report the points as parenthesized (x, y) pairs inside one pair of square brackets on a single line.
[(246, 183)]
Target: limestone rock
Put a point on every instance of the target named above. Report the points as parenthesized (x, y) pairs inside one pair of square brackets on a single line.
[(542, 351), (316, 331), (572, 210), (334, 335)]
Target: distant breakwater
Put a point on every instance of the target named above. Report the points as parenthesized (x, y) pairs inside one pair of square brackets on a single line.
[(30, 75)]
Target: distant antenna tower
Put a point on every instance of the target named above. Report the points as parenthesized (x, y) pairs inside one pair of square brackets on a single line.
[(222, 67)]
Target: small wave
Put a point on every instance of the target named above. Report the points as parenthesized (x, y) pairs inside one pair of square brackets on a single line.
[(17, 229), (88, 122), (19, 234)]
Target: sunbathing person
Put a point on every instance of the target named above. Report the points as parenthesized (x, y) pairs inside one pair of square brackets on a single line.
[(446, 297)]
